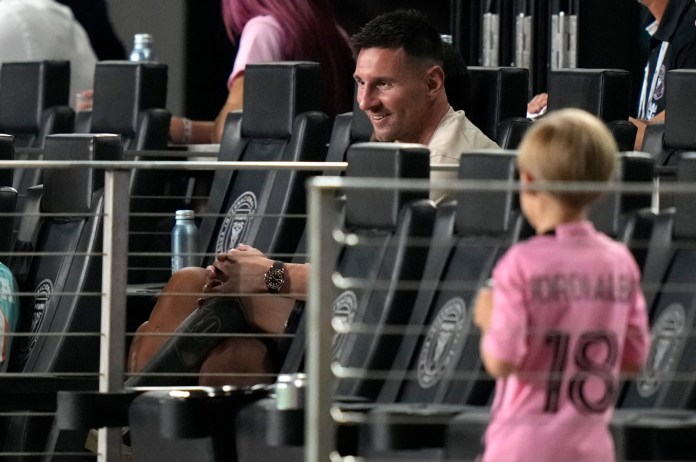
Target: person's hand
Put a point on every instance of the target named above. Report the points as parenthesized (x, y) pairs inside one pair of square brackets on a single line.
[(84, 100), (537, 105), (239, 271), (483, 309)]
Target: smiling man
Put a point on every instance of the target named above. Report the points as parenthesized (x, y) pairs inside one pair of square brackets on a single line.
[(401, 88)]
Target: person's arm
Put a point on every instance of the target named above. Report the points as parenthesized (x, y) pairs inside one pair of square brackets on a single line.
[(642, 124), (483, 312), (234, 101), (242, 270), (186, 131)]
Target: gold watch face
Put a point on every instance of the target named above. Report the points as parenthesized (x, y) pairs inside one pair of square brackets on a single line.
[(275, 277)]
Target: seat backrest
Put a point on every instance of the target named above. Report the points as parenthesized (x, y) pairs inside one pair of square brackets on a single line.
[(391, 226), (65, 263), (6, 153), (61, 319), (351, 127), (617, 212), (668, 379), (129, 99), (496, 94), (441, 362), (679, 119), (280, 122), (606, 93), (29, 93), (8, 207)]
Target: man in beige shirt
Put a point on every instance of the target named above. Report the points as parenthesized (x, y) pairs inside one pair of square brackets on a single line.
[(400, 83)]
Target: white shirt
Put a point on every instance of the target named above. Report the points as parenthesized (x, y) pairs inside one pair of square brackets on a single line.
[(454, 136), (36, 30)]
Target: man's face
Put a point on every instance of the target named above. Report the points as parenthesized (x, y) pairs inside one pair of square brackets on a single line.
[(393, 93)]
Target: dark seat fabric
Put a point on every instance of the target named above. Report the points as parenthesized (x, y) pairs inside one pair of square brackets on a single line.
[(8, 198), (657, 409), (668, 379), (33, 104), (8, 207), (496, 94), (351, 127), (129, 99), (627, 216), (33, 100), (606, 93), (64, 276), (265, 207), (6, 153)]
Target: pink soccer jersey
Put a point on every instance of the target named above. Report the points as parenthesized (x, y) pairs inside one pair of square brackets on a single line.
[(568, 310)]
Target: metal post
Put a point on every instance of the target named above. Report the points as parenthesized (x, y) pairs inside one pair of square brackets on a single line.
[(113, 312), (319, 426)]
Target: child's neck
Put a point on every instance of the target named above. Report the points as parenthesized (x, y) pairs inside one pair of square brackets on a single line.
[(557, 213)]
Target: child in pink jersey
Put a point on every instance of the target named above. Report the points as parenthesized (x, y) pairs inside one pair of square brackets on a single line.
[(566, 315)]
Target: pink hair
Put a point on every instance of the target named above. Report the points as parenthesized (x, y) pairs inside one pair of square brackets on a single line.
[(312, 34)]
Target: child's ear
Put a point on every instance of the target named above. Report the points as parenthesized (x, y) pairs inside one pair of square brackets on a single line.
[(526, 177)]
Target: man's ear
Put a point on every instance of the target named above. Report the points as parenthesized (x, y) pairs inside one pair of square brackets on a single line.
[(435, 79)]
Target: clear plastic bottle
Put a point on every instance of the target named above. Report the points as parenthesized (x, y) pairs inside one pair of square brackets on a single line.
[(142, 48), (184, 241)]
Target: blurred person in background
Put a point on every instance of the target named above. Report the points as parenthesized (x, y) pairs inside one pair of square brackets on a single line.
[(94, 17), (36, 30), (277, 30)]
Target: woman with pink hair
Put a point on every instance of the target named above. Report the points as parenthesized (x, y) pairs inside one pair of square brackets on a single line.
[(278, 30)]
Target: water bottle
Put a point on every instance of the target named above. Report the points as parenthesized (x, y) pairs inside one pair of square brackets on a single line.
[(142, 48), (184, 241)]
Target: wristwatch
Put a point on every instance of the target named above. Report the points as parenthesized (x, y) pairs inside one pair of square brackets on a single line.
[(275, 277)]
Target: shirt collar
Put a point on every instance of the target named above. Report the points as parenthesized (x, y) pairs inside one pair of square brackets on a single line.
[(574, 230), (670, 19)]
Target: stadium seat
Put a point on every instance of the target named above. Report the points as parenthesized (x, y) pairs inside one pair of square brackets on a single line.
[(606, 93), (496, 95), (33, 104), (64, 276)]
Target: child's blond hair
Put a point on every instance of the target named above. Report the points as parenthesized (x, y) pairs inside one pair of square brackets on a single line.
[(569, 145)]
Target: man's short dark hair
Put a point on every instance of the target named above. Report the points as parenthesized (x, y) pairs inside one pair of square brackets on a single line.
[(407, 29)]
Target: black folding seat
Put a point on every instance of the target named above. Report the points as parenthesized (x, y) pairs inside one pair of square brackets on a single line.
[(658, 407), (666, 141), (266, 207), (61, 320), (34, 99), (606, 93), (130, 100), (669, 140), (497, 102), (393, 226)]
